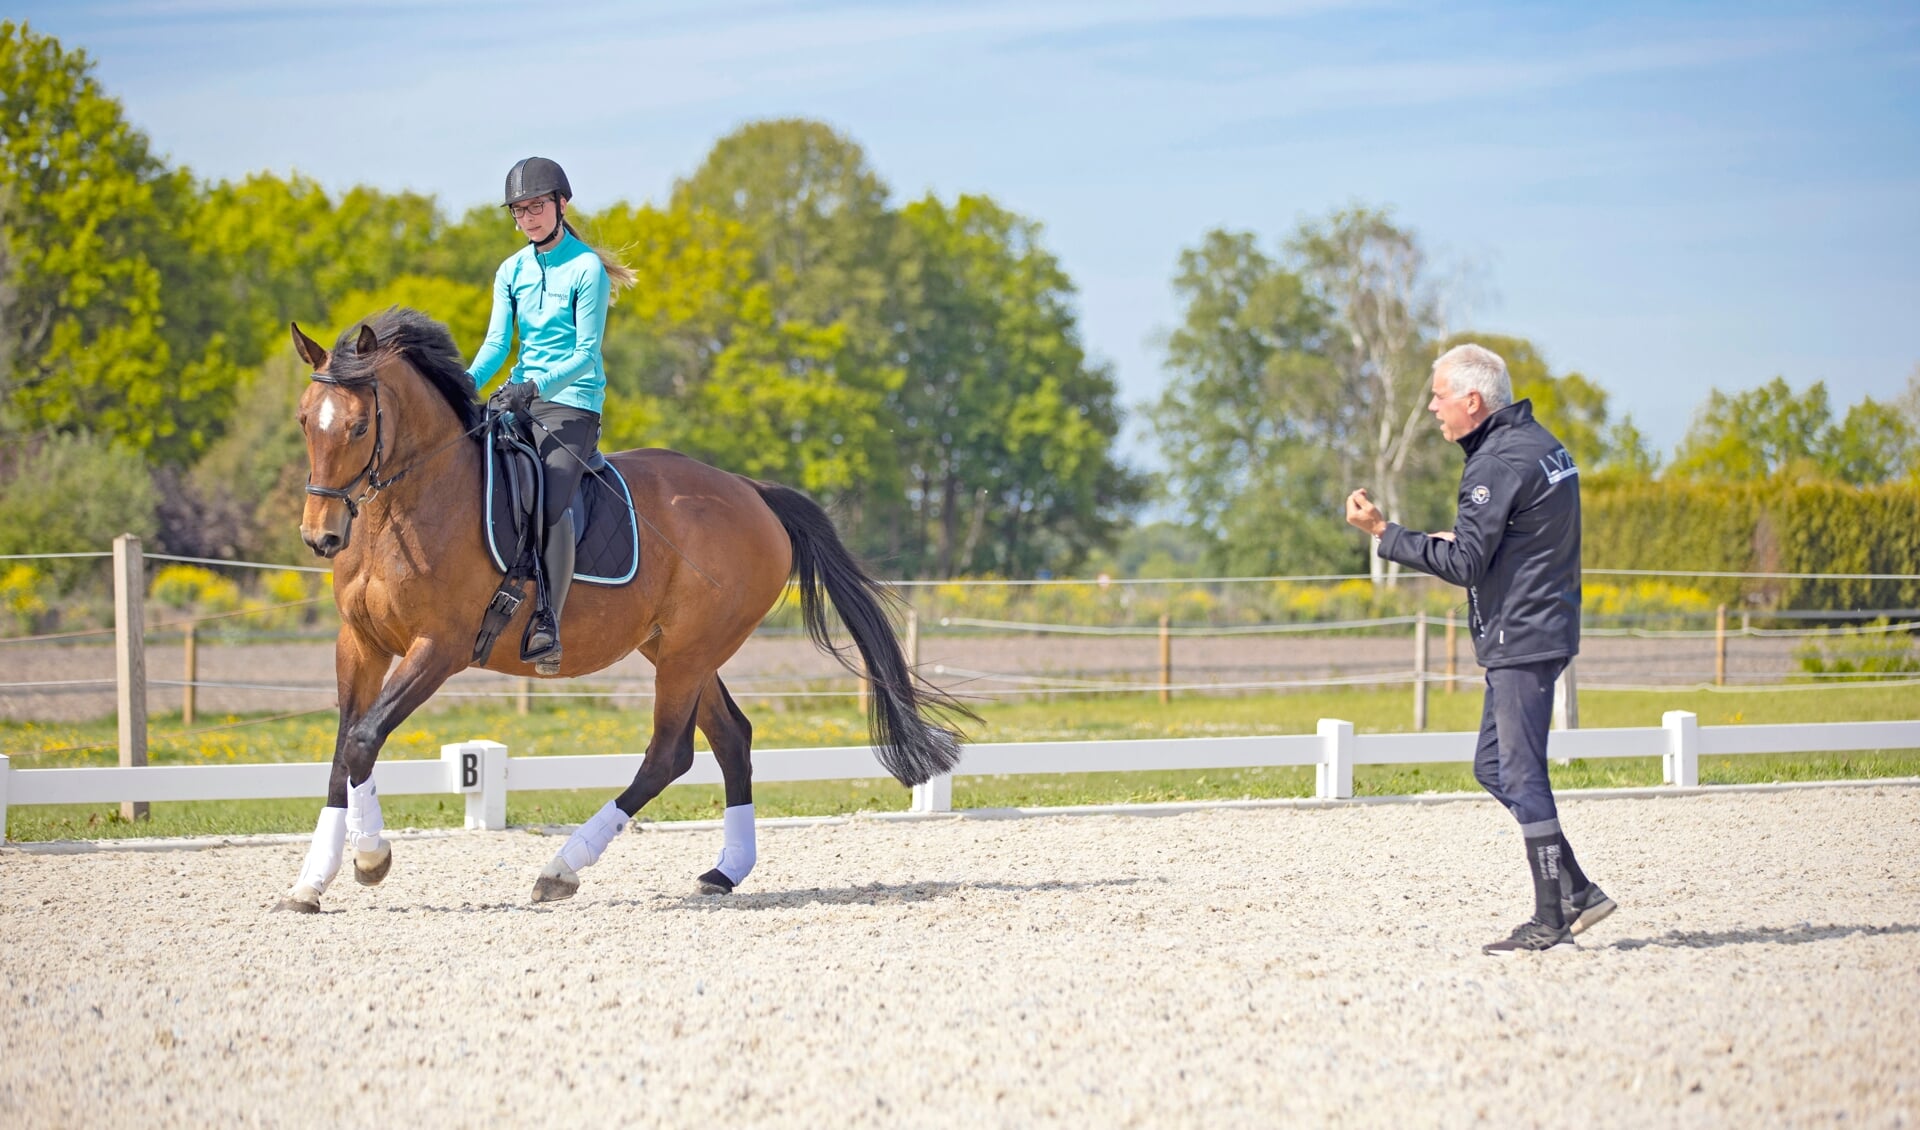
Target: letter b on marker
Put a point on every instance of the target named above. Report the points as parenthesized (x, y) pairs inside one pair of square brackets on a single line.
[(469, 770)]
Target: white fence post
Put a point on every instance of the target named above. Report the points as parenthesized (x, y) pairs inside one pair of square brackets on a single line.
[(1681, 765), (130, 659), (1333, 777), (934, 796), (478, 769), (6, 770), (1420, 671)]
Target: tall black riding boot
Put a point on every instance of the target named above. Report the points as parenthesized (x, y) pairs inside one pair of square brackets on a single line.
[(542, 644)]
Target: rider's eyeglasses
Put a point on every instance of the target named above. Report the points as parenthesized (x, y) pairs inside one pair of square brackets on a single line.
[(530, 208)]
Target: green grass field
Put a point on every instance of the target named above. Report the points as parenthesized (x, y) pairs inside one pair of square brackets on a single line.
[(570, 728)]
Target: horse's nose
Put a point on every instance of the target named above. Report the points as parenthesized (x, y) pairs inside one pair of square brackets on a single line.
[(326, 545)]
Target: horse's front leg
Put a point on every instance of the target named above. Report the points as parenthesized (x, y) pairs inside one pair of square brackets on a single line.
[(352, 816)]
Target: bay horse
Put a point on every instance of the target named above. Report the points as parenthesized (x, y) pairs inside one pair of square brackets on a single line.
[(395, 501)]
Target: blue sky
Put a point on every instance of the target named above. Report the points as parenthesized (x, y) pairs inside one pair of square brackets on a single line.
[(1667, 198)]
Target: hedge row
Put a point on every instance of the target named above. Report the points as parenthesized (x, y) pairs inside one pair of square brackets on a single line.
[(1773, 527)]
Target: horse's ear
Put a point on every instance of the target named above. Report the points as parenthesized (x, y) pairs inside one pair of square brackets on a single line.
[(367, 342), (308, 349)]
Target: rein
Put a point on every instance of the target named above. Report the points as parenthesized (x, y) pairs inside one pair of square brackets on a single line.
[(371, 472)]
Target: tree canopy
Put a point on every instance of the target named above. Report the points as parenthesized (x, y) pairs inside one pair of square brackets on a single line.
[(920, 367)]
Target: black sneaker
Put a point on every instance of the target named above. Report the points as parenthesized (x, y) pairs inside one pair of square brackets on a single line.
[(1582, 911), (1530, 936)]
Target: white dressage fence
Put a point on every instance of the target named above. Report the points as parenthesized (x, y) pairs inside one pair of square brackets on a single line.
[(483, 773)]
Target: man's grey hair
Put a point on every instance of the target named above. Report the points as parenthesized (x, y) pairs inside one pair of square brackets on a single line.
[(1475, 368)]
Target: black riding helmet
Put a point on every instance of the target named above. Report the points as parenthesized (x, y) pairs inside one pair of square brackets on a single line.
[(536, 176)]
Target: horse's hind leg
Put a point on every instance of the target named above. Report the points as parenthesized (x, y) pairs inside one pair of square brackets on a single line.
[(731, 736), (669, 754)]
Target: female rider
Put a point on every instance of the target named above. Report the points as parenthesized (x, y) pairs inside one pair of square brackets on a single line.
[(554, 292)]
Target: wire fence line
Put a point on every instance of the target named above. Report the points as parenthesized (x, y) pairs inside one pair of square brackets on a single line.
[(1199, 631), (1351, 651), (964, 680), (1098, 581)]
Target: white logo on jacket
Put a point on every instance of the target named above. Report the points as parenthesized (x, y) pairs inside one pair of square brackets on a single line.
[(1479, 495), (1558, 466)]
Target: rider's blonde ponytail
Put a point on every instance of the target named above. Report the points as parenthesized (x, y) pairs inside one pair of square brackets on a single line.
[(618, 273)]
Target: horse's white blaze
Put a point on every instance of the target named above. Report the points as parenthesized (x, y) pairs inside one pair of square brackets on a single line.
[(326, 414)]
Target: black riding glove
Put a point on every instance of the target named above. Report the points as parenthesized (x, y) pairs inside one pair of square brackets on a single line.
[(515, 397)]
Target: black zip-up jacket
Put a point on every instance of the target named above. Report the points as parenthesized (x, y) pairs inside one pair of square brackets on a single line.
[(1516, 544)]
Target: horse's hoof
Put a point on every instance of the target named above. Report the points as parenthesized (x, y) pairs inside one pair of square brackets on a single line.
[(300, 900), (715, 882), (369, 867), (557, 881)]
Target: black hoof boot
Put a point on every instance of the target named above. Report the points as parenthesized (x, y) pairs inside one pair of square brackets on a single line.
[(715, 883)]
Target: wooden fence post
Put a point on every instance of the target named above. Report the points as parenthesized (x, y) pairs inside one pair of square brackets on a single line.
[(1166, 659), (190, 675), (1720, 647), (130, 658), (1420, 671), (523, 697)]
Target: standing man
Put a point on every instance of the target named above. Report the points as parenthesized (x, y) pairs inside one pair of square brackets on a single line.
[(1515, 547)]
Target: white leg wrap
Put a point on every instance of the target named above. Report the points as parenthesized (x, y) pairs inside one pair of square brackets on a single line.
[(363, 817), (323, 858), (588, 841), (737, 855)]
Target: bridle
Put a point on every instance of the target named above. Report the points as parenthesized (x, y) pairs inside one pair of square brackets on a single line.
[(371, 472)]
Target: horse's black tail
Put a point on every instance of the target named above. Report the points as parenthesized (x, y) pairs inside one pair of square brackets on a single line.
[(911, 747)]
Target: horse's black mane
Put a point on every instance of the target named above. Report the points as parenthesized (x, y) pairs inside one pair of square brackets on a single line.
[(426, 345)]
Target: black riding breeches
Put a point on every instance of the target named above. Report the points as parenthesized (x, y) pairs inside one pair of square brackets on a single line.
[(566, 438), (1511, 761)]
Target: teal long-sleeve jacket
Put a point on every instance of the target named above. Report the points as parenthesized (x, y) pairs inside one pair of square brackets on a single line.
[(557, 300)]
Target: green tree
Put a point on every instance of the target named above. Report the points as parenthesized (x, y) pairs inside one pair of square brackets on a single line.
[(105, 333), (463, 307), (822, 233), (1252, 425), (1755, 434), (290, 252), (697, 359), (816, 214), (1773, 432), (1873, 444), (1373, 276), (472, 248), (1006, 426), (1572, 407), (85, 491), (9, 293)]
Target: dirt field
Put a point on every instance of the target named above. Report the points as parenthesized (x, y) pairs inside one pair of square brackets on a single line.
[(285, 677), (1226, 967)]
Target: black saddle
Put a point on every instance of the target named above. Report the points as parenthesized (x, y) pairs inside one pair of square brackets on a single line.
[(607, 544)]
